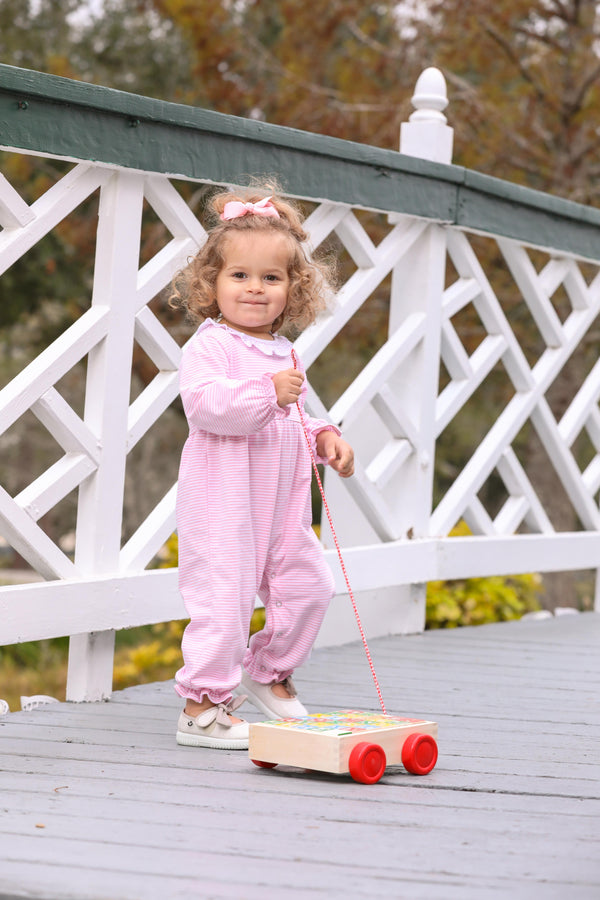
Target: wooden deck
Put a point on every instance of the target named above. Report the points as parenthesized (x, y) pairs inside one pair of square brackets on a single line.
[(97, 801)]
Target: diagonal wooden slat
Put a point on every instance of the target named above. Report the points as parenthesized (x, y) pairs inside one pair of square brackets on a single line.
[(395, 417), (356, 241), (591, 476), (581, 407), (454, 356), (150, 404), (477, 517), (565, 465), (387, 462), (592, 427), (458, 391), (489, 309), (512, 514), (14, 211), (31, 542), (151, 535), (155, 341), (355, 291), (459, 294), (52, 363), (519, 486), (42, 494), (536, 298), (65, 426), (51, 208), (172, 209), (159, 271), (378, 370), (323, 220)]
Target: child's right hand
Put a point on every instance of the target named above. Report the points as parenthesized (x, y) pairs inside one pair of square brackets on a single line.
[(288, 386)]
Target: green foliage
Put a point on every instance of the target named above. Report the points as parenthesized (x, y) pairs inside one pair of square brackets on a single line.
[(118, 45), (35, 667), (478, 601), (152, 653)]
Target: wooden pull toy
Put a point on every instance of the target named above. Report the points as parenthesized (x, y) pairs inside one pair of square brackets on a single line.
[(361, 743)]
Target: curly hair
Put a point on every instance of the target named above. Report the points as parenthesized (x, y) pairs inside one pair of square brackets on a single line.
[(310, 281)]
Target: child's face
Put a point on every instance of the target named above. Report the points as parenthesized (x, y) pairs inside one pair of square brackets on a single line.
[(252, 286)]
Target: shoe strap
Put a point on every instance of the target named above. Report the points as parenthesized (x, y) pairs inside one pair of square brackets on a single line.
[(289, 686), (220, 713)]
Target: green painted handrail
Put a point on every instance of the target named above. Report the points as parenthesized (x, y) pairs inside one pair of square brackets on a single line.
[(50, 115)]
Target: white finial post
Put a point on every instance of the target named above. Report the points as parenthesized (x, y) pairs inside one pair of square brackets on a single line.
[(427, 134)]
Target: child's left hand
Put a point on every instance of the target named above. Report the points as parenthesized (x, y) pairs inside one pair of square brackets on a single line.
[(339, 454)]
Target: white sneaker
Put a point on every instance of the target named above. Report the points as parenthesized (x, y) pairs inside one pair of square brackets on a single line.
[(262, 696), (213, 728)]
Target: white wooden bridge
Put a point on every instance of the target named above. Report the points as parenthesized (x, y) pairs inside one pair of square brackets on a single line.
[(512, 806), (98, 803)]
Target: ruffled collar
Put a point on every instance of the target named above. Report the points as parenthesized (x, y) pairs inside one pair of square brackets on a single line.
[(279, 346)]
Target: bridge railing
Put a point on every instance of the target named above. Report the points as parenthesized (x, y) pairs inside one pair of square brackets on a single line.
[(413, 231)]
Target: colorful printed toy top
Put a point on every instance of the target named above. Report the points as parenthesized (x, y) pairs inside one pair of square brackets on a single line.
[(344, 721)]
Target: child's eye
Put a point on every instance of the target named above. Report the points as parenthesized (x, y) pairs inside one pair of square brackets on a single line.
[(239, 274), (271, 277)]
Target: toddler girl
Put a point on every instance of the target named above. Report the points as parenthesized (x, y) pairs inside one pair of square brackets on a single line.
[(243, 505)]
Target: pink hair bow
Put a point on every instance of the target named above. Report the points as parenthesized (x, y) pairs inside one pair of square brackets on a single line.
[(235, 208)]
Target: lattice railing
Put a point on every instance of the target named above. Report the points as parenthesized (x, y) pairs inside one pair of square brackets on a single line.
[(392, 517), (531, 384)]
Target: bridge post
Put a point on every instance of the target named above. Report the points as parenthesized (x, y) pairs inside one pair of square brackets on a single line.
[(100, 507), (406, 404)]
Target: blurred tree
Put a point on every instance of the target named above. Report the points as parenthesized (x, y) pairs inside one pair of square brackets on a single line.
[(524, 76), (119, 45), (525, 89), (339, 67)]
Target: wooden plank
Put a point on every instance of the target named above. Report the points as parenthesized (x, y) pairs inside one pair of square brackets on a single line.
[(511, 807), (31, 542), (58, 607), (51, 208), (51, 364)]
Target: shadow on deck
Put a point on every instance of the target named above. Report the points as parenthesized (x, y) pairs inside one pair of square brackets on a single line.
[(99, 803)]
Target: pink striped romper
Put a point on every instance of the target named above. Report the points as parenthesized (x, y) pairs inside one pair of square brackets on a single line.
[(244, 517)]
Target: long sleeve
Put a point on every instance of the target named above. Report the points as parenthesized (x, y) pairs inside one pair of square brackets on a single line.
[(313, 426), (215, 402)]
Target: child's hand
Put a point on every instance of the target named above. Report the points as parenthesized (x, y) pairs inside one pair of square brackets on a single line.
[(288, 386), (337, 452)]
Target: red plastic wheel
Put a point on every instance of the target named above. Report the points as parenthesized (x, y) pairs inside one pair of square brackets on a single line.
[(263, 765), (367, 762), (419, 753)]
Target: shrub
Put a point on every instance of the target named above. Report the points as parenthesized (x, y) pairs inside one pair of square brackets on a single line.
[(479, 601)]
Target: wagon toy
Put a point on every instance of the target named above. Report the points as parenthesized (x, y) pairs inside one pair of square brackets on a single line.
[(361, 743)]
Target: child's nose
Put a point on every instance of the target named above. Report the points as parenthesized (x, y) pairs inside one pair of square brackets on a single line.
[(254, 285)]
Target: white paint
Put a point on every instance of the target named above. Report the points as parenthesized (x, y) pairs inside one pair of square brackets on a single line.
[(427, 134)]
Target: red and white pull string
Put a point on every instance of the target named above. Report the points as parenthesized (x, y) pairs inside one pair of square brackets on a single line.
[(339, 552)]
